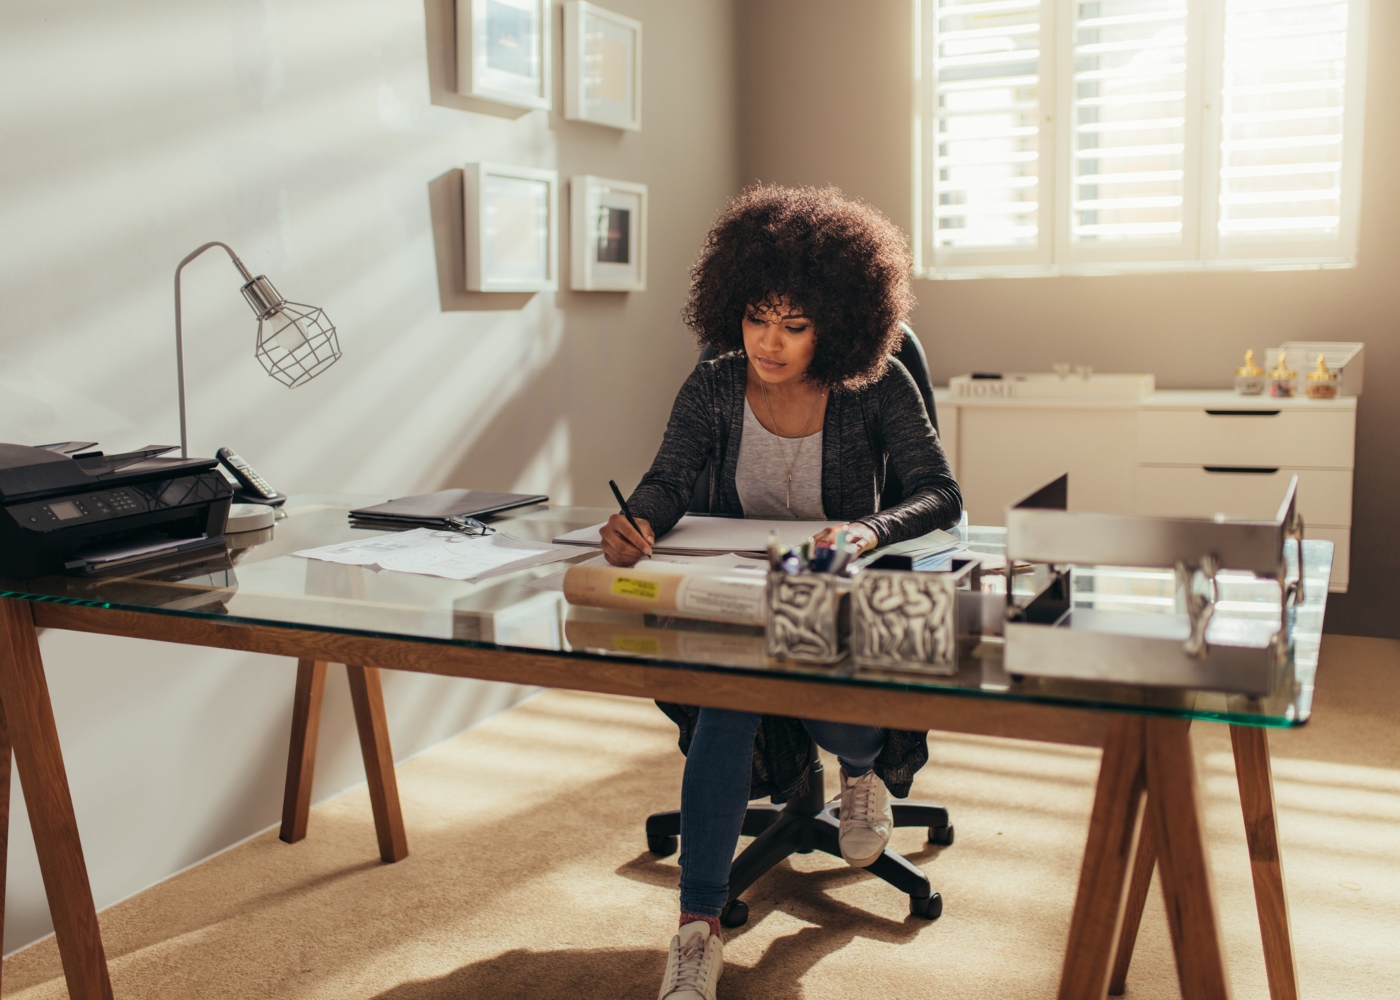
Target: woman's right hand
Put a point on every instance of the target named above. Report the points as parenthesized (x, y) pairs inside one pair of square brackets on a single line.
[(622, 545)]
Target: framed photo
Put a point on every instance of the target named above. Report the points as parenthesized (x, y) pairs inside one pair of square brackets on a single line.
[(510, 217), (602, 66), (503, 51), (608, 227)]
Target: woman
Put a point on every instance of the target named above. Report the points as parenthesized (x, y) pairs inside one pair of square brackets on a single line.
[(802, 415)]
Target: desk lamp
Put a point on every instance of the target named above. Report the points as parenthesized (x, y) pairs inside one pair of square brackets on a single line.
[(295, 342)]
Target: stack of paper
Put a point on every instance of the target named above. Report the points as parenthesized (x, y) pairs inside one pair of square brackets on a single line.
[(442, 553), (713, 536)]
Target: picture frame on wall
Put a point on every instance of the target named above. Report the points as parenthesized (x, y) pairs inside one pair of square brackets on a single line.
[(602, 66), (608, 235), (510, 219), (503, 51)]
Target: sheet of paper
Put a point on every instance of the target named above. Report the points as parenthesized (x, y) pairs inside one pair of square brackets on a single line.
[(715, 535), (431, 552)]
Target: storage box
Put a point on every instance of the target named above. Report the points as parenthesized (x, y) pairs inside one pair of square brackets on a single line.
[(907, 620), (1048, 385), (808, 616), (1346, 359)]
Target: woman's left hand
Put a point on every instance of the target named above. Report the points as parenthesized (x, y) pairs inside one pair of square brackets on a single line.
[(857, 533)]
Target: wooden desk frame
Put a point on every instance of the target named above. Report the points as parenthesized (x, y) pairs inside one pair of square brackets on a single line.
[(1147, 771)]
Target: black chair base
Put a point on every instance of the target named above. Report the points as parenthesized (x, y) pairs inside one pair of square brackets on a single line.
[(807, 824)]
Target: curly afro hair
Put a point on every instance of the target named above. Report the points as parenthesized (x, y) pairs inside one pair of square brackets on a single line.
[(842, 262)]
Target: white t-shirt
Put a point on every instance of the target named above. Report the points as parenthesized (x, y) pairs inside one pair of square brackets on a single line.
[(761, 478)]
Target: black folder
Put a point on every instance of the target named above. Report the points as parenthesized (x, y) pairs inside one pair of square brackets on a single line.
[(433, 509)]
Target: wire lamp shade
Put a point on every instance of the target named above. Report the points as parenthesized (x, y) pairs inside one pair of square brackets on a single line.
[(295, 342)]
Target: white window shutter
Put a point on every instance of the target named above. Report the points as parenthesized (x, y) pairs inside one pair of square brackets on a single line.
[(985, 145), (1283, 134), (1127, 98)]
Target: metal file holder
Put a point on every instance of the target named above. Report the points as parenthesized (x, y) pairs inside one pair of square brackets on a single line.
[(808, 616), (1047, 637), (908, 620)]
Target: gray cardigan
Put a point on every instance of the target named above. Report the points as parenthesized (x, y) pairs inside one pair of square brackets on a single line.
[(882, 427)]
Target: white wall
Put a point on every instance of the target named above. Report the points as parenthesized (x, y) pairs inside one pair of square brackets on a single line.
[(322, 140)]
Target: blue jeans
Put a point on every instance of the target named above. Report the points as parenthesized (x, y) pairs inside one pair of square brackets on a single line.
[(715, 793)]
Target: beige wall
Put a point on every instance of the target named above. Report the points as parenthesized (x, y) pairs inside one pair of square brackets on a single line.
[(825, 97), (320, 138)]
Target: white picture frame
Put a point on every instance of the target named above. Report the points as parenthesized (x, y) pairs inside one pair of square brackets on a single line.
[(602, 66), (504, 51), (510, 221), (608, 235)]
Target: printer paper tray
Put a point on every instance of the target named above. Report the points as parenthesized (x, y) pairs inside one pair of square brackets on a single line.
[(101, 559), (1135, 648)]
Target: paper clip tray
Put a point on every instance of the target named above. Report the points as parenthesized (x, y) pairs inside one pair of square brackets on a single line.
[(1048, 637), (1124, 647)]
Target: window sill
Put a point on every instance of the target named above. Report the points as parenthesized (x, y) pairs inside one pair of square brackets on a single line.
[(967, 271)]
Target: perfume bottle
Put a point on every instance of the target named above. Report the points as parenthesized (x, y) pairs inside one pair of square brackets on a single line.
[(1322, 384), (1282, 380), (1249, 380)]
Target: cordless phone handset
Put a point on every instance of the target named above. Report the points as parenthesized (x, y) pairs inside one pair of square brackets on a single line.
[(248, 479)]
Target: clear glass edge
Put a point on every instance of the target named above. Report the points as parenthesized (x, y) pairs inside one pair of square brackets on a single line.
[(808, 673)]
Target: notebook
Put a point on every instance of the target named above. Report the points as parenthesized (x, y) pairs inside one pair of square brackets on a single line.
[(433, 509)]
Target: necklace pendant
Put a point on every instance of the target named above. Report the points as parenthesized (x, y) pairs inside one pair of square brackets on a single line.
[(789, 491)]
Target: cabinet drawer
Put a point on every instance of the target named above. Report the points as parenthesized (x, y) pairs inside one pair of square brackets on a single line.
[(1322, 439), (1324, 495)]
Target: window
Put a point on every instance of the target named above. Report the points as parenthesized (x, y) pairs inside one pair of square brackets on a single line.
[(1094, 135)]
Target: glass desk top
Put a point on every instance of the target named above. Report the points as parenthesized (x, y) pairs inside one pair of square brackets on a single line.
[(260, 582)]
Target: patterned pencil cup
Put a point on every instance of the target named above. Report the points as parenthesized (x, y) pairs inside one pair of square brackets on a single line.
[(808, 616), (907, 621)]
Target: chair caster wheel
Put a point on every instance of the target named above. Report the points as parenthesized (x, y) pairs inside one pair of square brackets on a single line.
[(929, 907), (735, 913), (662, 846), (941, 835)]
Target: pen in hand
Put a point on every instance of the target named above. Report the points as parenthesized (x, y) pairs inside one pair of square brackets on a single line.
[(626, 512)]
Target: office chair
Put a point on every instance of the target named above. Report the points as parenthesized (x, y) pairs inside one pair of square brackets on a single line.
[(810, 822)]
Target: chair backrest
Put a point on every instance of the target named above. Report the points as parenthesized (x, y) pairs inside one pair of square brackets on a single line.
[(910, 354)]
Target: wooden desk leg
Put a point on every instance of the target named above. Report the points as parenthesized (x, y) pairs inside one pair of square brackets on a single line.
[(301, 757), (368, 698), (5, 754), (1256, 781), (24, 692), (1174, 808), (1143, 866), (1103, 880)]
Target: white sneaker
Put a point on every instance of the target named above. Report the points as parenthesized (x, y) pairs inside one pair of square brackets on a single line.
[(866, 818), (692, 970)]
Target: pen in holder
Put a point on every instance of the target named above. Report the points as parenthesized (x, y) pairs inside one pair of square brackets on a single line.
[(904, 620), (808, 616)]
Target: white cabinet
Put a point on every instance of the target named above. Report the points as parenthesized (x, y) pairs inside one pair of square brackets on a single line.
[(1175, 453), (1005, 452)]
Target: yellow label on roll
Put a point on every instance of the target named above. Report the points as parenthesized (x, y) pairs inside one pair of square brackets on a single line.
[(625, 586), (635, 644)]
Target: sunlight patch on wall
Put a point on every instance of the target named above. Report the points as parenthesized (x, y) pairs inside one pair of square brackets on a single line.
[(548, 472)]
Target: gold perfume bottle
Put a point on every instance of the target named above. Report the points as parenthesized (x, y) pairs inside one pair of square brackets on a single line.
[(1249, 380), (1282, 380), (1322, 384)]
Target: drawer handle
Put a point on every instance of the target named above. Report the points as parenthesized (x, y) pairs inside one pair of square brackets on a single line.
[(1243, 413), (1247, 470)]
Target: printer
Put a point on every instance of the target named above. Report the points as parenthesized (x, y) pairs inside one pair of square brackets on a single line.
[(68, 508)]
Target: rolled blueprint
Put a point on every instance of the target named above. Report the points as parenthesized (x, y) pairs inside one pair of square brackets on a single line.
[(712, 593)]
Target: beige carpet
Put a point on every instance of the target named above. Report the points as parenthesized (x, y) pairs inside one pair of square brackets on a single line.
[(528, 876)]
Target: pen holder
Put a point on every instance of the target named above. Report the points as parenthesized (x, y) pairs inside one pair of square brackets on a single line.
[(905, 620), (808, 616)]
